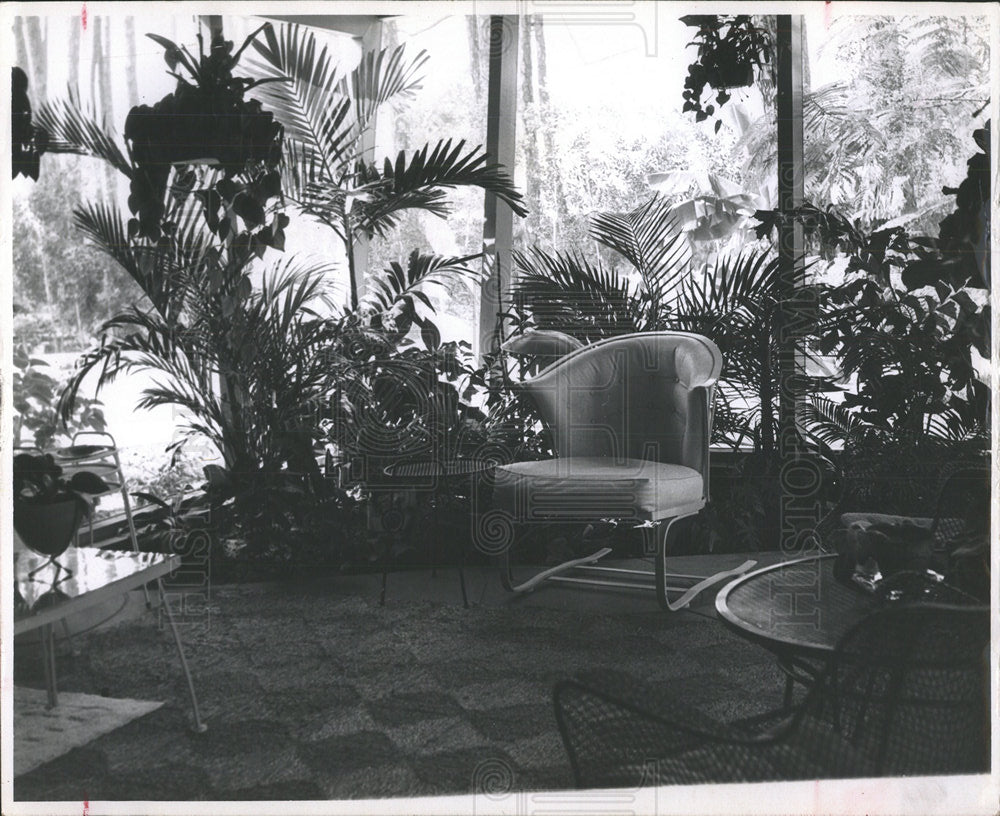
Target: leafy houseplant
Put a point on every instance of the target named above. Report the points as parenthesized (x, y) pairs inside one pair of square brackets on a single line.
[(330, 177), (906, 339), (917, 404), (48, 507), (238, 349), (730, 48), (253, 360), (961, 254)]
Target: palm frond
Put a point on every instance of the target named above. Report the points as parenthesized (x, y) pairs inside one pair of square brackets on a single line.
[(732, 286), (651, 241), (70, 129), (130, 340), (396, 283), (419, 182), (828, 422), (307, 185), (312, 104), (565, 292), (292, 286), (381, 76)]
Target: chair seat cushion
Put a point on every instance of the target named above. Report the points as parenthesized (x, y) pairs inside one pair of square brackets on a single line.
[(587, 488)]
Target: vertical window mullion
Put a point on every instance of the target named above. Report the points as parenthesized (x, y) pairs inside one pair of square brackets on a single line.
[(498, 222)]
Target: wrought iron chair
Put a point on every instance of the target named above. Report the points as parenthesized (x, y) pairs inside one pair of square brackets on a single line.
[(906, 692), (631, 419)]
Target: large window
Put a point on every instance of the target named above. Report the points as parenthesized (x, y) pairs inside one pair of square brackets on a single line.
[(449, 105), (890, 106)]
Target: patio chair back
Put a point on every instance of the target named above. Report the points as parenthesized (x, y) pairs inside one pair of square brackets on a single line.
[(963, 506), (639, 396), (906, 693), (908, 690)]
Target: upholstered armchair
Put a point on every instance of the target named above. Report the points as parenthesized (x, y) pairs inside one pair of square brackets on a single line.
[(630, 419)]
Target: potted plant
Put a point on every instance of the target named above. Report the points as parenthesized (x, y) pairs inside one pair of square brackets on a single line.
[(206, 120), (48, 507), (728, 49)]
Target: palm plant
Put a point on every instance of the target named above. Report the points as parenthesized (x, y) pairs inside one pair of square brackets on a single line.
[(244, 365), (328, 114), (242, 361), (734, 301), (568, 293), (248, 347)]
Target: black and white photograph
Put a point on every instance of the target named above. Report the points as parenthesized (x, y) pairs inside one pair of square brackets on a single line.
[(498, 407)]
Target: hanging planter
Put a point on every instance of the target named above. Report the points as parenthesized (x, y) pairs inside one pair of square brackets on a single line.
[(730, 68), (729, 51), (205, 121)]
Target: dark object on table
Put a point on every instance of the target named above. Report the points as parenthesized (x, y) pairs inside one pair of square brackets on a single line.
[(856, 721), (954, 543), (867, 551), (911, 586)]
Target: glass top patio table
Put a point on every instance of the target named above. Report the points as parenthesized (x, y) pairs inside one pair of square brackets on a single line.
[(50, 593), (794, 606), (796, 609)]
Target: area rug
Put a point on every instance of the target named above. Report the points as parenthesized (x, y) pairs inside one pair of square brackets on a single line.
[(41, 734), (313, 693)]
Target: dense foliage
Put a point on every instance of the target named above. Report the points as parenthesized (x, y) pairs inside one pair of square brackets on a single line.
[(253, 350)]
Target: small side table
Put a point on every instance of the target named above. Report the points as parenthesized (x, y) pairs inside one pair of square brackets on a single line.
[(96, 576), (432, 476)]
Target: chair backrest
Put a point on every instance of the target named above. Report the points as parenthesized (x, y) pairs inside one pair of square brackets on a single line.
[(908, 687), (963, 504), (638, 396)]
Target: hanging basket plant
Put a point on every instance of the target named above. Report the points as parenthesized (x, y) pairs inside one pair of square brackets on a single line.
[(730, 68), (730, 50), (206, 120)]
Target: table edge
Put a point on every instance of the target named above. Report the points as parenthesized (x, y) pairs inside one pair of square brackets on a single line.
[(772, 642), (125, 584)]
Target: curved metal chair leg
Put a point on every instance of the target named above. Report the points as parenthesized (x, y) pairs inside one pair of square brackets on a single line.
[(689, 593), (658, 545), (506, 577), (507, 560)]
